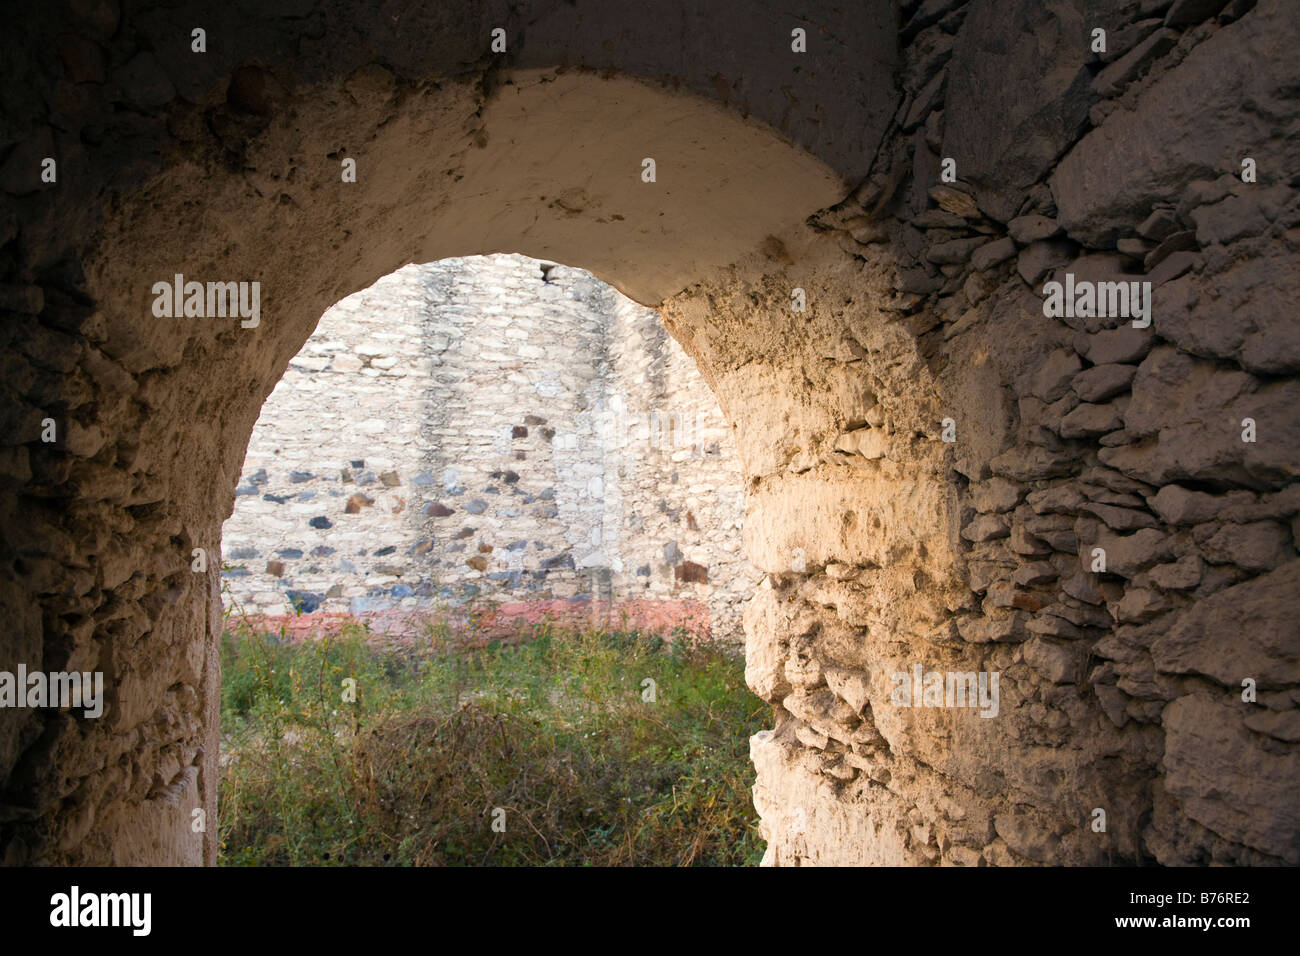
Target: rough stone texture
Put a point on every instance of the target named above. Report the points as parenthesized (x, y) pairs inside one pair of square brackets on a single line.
[(481, 402), (913, 395)]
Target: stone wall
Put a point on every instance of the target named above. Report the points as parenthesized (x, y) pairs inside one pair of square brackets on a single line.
[(1095, 504), (934, 455), (493, 428)]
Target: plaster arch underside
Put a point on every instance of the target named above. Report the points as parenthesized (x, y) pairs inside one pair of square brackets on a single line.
[(929, 458)]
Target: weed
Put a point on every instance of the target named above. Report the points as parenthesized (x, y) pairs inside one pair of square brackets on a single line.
[(443, 733)]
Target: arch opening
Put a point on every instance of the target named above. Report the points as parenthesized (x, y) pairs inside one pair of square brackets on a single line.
[(489, 492)]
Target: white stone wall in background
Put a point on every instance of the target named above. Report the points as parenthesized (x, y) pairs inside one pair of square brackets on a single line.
[(489, 427)]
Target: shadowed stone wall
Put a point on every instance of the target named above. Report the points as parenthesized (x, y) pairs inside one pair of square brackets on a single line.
[(1096, 505)]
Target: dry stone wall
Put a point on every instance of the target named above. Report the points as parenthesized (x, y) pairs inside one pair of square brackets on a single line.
[(1031, 529), (491, 428)]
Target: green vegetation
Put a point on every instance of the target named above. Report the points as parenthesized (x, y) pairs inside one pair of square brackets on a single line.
[(551, 726)]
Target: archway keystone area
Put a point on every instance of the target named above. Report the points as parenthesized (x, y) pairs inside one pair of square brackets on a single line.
[(1092, 517)]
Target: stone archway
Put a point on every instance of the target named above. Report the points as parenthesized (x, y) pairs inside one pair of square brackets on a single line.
[(929, 455)]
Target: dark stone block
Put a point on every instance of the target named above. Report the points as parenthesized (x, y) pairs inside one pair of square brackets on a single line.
[(143, 83), (356, 503), (401, 591), (322, 551), (476, 507), (241, 553), (289, 553), (517, 545), (358, 463), (423, 478), (304, 602), (248, 91), (245, 490), (437, 510), (1002, 148), (511, 477), (559, 561), (688, 572), (383, 551), (519, 431), (297, 477), (321, 522), (276, 499), (643, 571), (82, 59)]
